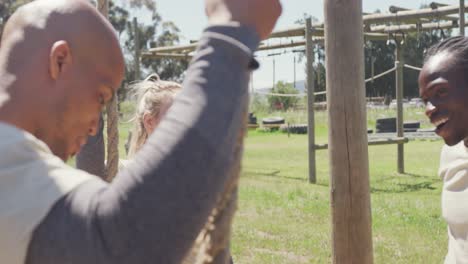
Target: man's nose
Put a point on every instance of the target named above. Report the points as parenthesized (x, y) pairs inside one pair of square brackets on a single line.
[(430, 109)]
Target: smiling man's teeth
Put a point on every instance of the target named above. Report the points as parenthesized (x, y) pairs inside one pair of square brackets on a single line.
[(440, 122)]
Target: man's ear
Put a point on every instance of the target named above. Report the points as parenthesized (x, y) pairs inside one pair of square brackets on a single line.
[(60, 59)]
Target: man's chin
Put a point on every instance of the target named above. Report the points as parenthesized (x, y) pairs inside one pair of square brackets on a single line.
[(63, 156), (451, 141)]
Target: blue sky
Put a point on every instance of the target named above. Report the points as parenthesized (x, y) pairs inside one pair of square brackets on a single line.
[(189, 16)]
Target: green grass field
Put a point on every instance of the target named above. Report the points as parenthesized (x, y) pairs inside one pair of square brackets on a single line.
[(284, 219)]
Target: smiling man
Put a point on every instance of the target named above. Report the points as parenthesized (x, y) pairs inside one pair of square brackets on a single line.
[(60, 63), (443, 85)]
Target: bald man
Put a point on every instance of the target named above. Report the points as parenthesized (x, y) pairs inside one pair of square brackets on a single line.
[(60, 63)]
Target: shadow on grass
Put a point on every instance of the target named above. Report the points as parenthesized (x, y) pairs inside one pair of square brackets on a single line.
[(386, 188), (275, 174), (405, 187), (412, 183)]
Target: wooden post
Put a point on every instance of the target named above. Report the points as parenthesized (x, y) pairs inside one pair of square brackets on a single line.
[(399, 97), (137, 49), (310, 100), (294, 70), (274, 73), (350, 195), (462, 18), (112, 119), (251, 85)]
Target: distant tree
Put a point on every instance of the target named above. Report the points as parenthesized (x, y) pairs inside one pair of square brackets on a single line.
[(382, 54), (280, 102), (155, 33), (319, 59)]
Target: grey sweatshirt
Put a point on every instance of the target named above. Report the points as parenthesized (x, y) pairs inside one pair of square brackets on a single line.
[(153, 210)]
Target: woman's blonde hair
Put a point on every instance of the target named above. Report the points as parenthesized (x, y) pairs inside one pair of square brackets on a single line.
[(151, 93)]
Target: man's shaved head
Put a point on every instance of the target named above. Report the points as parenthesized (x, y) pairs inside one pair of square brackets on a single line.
[(37, 25), (59, 60)]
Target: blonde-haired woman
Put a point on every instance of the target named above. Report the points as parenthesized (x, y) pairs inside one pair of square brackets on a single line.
[(154, 98)]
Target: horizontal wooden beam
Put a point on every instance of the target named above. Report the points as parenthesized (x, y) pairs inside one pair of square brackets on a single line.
[(291, 32), (298, 31), (403, 16), (394, 9), (174, 52), (300, 43), (414, 27), (375, 36), (158, 55), (374, 142), (181, 49)]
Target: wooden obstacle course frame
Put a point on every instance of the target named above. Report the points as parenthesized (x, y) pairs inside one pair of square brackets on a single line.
[(376, 28), (374, 142), (350, 201)]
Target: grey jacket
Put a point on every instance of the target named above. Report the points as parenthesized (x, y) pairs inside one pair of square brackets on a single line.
[(153, 210)]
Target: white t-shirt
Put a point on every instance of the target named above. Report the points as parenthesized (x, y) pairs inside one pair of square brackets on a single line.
[(32, 179), (454, 173)]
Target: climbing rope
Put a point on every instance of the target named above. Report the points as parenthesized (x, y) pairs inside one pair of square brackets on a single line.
[(112, 119)]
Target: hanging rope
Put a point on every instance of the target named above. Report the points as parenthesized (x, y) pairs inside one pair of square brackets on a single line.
[(212, 244), (373, 78), (112, 120), (412, 67)]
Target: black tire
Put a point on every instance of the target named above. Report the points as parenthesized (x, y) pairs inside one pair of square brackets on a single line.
[(385, 125), (386, 129), (273, 121), (388, 120), (298, 129), (294, 129), (252, 119), (412, 125)]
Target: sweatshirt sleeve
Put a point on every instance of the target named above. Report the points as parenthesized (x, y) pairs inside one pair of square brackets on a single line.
[(154, 209)]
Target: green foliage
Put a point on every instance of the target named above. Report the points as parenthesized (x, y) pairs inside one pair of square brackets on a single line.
[(280, 102), (168, 69), (259, 104), (155, 33), (382, 54)]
